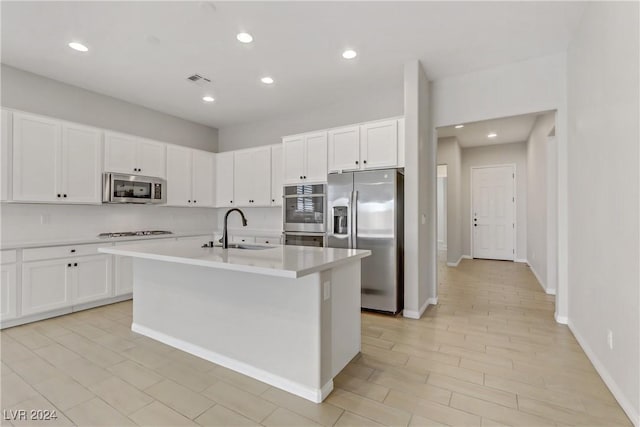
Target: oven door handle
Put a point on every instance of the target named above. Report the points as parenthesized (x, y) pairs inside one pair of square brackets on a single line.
[(296, 196)]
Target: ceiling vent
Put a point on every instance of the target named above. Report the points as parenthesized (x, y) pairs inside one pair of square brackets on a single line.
[(198, 79)]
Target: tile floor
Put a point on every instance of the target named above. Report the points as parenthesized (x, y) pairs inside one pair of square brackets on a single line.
[(489, 354)]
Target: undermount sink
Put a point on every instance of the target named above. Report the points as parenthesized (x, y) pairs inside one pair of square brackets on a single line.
[(241, 246)]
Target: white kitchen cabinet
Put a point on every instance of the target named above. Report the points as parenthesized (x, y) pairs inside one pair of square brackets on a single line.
[(5, 156), (179, 176), (128, 154), (305, 158), (276, 175), (401, 143), (91, 278), (123, 282), (224, 179), (8, 292), (344, 149), (203, 173), (55, 161), (379, 144), (81, 164), (46, 285), (252, 177), (36, 158)]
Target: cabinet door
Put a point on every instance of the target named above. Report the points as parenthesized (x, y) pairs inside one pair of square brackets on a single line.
[(243, 177), (151, 158), (123, 275), (178, 176), (81, 169), (92, 278), (276, 175), (344, 149), (379, 144), (36, 158), (203, 179), (316, 157), (46, 285), (5, 156), (401, 144), (260, 177), (224, 179), (293, 159), (8, 292), (120, 153)]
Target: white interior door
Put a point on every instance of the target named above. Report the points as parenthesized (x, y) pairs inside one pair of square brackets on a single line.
[(493, 212)]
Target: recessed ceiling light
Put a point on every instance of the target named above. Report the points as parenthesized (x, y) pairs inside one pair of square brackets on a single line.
[(208, 98), (78, 46), (244, 37), (349, 54), (267, 80), (459, 126), (492, 135)]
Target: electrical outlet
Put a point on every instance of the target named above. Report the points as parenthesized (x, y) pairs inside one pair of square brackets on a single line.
[(610, 339), (326, 286)]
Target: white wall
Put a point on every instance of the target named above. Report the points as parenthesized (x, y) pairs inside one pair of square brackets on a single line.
[(449, 153), (29, 92), (378, 103), (604, 194), (442, 212), (258, 219), (498, 154), (420, 249), (537, 206), (23, 222)]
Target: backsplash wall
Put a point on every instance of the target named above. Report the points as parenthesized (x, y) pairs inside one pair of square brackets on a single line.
[(36, 222), (262, 219)]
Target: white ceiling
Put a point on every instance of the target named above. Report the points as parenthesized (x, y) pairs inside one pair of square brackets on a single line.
[(508, 130), (142, 52)]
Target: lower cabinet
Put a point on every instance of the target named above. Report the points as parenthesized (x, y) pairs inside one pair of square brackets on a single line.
[(8, 292), (52, 284), (123, 275)]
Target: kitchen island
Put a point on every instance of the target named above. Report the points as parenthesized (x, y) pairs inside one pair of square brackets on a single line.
[(285, 315)]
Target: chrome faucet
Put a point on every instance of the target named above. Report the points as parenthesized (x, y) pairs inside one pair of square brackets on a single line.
[(225, 237)]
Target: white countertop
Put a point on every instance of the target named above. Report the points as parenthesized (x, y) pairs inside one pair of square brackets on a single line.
[(282, 261)]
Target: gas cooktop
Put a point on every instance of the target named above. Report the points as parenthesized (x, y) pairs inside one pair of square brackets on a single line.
[(133, 233)]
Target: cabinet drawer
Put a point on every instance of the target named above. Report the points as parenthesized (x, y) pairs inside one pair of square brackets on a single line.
[(8, 257), (61, 251), (243, 239), (273, 240)]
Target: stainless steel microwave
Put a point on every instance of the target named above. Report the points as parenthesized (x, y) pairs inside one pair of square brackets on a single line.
[(304, 208), (121, 188)]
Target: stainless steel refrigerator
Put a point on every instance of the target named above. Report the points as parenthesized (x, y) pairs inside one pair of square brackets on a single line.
[(366, 212)]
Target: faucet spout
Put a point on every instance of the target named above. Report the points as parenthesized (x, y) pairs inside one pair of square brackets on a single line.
[(225, 237)]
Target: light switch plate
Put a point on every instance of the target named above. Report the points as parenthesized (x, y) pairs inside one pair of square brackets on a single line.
[(326, 286)]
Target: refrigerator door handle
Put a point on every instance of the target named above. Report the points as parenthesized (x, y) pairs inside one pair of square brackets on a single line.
[(354, 219)]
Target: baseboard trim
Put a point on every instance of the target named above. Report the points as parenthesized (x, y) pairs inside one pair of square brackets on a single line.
[(540, 282), (455, 264), (309, 393), (521, 260), (625, 403), (412, 314), (561, 319)]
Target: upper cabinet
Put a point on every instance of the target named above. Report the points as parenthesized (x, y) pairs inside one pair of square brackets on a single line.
[(5, 156), (276, 175), (190, 177), (401, 143), (305, 158), (344, 149), (371, 145), (55, 161), (224, 179), (252, 177), (132, 155)]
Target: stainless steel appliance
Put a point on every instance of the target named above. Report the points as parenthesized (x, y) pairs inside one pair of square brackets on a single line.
[(304, 208), (133, 233), (366, 212), (120, 188), (305, 239)]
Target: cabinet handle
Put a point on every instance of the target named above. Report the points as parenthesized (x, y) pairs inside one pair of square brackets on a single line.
[(300, 176), (75, 264), (356, 162), (64, 195), (73, 251), (59, 195), (188, 201), (273, 200), (230, 201), (195, 201), (365, 162), (68, 265), (139, 170), (305, 177)]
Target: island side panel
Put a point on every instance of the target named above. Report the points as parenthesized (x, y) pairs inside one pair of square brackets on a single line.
[(263, 326)]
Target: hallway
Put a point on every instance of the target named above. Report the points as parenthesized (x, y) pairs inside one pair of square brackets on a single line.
[(489, 354)]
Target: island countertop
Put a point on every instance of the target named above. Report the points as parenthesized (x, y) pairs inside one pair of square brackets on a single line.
[(276, 260)]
